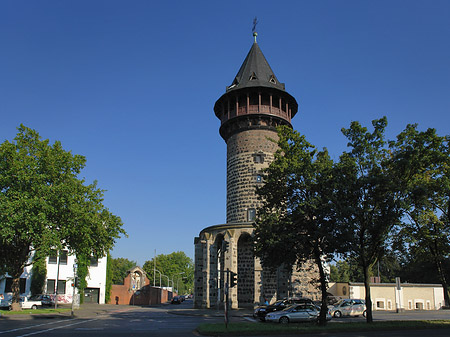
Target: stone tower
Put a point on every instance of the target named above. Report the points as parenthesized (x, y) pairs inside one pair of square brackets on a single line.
[(250, 110)]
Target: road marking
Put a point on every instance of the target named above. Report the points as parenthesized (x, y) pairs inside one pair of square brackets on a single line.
[(58, 327), (31, 326), (250, 319)]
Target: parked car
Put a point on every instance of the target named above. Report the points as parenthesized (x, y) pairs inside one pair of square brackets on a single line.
[(296, 313), (46, 300), (261, 311), (5, 304), (28, 303), (176, 300), (349, 307)]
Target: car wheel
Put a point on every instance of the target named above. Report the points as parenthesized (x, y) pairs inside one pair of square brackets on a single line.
[(337, 314), (364, 313), (284, 320), (262, 319), (34, 307)]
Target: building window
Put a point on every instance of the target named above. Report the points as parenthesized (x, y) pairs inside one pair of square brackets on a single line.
[(389, 305), (94, 261), (258, 158), (8, 285), (380, 304), (251, 214), (53, 258), (63, 257), (51, 287)]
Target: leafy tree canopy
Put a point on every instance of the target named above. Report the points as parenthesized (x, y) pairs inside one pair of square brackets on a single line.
[(369, 205), (119, 268), (177, 266), (45, 206), (421, 160), (295, 222)]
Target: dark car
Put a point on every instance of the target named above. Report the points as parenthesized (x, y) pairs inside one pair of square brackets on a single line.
[(46, 300), (176, 300), (261, 311)]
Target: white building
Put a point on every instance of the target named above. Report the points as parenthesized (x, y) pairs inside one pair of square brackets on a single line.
[(62, 268), (392, 296)]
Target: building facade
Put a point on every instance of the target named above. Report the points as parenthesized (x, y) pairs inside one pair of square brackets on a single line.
[(250, 110), (61, 267), (394, 297)]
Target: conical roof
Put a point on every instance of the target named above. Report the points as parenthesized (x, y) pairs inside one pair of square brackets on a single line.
[(255, 72)]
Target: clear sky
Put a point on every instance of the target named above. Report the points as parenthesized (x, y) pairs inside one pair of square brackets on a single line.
[(131, 85)]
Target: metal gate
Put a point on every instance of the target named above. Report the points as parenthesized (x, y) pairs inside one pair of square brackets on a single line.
[(91, 295)]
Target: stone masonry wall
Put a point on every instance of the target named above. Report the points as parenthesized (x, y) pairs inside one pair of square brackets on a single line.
[(248, 152)]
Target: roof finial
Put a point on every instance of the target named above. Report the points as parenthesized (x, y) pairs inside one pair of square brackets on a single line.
[(255, 22)]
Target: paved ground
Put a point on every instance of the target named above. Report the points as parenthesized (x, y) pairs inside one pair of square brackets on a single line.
[(93, 310)]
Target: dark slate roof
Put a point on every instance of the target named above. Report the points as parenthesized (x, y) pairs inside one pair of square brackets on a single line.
[(255, 72)]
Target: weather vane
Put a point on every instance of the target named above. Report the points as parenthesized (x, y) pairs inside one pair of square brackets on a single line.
[(255, 22)]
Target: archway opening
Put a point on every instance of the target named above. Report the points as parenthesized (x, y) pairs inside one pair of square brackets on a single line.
[(245, 271)]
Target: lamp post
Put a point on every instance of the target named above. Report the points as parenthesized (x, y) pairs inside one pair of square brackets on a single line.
[(168, 280), (177, 283), (178, 279), (159, 277)]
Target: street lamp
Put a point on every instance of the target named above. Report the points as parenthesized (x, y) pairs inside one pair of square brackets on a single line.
[(168, 280), (178, 279), (159, 278), (177, 283)]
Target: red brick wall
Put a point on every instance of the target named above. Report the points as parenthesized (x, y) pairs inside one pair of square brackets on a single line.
[(147, 295)]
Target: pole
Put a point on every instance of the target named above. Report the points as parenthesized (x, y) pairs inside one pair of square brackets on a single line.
[(226, 298), (154, 271), (57, 277), (74, 276)]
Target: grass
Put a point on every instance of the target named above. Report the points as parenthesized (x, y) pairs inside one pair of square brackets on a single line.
[(249, 329), (33, 312)]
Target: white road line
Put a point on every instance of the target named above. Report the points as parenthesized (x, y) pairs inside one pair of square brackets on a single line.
[(58, 327), (250, 319), (31, 326)]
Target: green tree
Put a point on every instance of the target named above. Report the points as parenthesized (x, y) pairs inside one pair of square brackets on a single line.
[(295, 222), (369, 205), (422, 163), (119, 268), (38, 275), (177, 266), (45, 206)]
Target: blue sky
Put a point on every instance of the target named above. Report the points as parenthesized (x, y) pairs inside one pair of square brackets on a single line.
[(131, 85)]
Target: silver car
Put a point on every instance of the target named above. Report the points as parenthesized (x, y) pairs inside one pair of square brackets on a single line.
[(349, 307), (296, 313)]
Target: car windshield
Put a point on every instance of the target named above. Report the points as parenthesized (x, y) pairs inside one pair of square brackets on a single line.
[(340, 302), (35, 298), (277, 303)]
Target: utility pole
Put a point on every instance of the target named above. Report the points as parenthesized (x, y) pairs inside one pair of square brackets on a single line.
[(154, 271), (57, 277), (226, 298), (74, 284)]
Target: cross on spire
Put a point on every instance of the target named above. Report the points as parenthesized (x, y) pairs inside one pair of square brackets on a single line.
[(255, 22)]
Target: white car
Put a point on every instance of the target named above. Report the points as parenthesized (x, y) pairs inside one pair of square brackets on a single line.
[(296, 313), (349, 307), (26, 303)]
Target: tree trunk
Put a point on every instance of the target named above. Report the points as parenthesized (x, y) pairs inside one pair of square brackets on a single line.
[(323, 288), (443, 281), (15, 287), (369, 318)]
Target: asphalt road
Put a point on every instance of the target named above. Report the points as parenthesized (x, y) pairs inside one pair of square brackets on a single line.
[(176, 320), (132, 321)]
